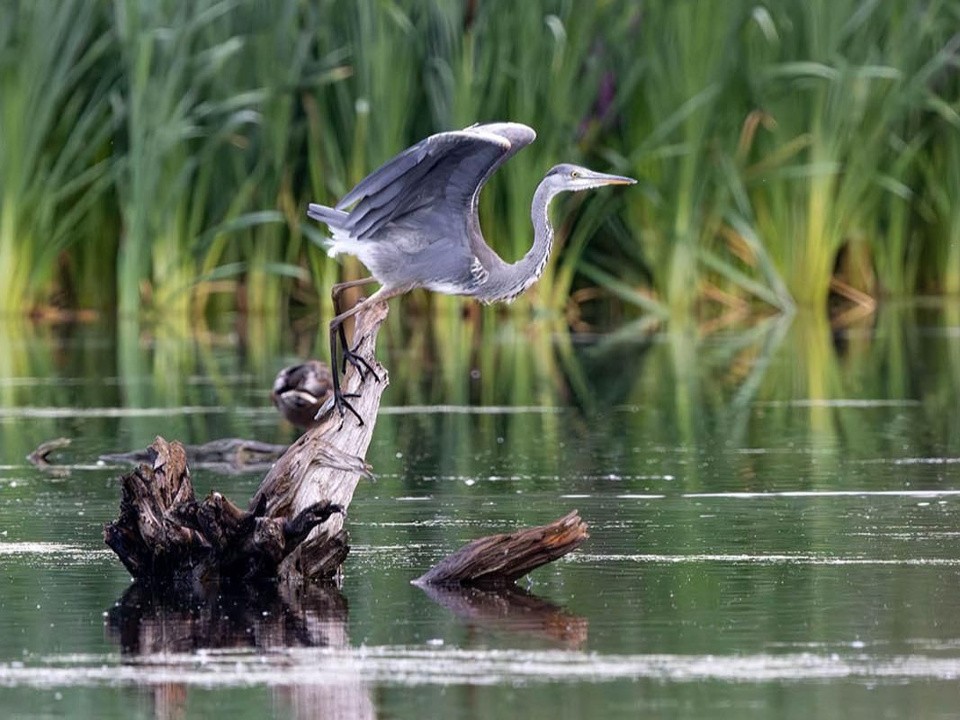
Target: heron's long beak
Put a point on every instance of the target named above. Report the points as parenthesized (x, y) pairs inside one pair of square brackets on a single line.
[(613, 179), (605, 179)]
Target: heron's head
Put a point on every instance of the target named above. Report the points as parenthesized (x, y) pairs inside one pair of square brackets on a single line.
[(574, 177)]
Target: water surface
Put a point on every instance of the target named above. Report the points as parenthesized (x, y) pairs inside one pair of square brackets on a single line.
[(774, 515)]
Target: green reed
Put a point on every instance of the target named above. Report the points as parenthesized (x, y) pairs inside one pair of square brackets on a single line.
[(940, 167), (54, 86), (181, 129), (164, 159), (839, 84), (682, 114)]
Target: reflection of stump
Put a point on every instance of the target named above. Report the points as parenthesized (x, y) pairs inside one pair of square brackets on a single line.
[(264, 618), (499, 560), (511, 609), (147, 622)]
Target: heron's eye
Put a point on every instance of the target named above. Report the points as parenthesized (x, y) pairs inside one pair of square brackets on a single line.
[(574, 173)]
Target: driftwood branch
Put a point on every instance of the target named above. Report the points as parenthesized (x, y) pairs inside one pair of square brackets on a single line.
[(224, 454), (500, 560)]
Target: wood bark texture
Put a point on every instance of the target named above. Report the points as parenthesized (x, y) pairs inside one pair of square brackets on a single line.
[(498, 560)]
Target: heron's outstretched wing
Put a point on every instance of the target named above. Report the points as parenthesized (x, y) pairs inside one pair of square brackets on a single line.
[(434, 184)]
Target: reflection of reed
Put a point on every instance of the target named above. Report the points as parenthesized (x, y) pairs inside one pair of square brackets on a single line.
[(264, 618), (511, 609)]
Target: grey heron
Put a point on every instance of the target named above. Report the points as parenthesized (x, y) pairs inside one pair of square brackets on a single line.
[(413, 223)]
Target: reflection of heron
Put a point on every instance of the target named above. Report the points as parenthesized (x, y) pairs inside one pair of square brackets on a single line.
[(300, 390), (414, 224)]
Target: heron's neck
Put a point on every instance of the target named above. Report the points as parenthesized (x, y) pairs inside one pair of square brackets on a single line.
[(515, 278)]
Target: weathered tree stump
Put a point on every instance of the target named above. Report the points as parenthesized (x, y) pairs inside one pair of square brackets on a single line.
[(292, 529), (165, 535), (325, 464)]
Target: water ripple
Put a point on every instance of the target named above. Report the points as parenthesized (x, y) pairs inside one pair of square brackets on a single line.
[(411, 666), (771, 559)]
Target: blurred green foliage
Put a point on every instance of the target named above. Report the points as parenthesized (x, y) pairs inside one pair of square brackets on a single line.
[(156, 157)]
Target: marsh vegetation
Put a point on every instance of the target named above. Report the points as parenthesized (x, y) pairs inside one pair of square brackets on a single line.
[(157, 157)]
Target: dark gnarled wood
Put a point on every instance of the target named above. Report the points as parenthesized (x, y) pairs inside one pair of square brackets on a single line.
[(165, 535), (499, 560), (292, 529)]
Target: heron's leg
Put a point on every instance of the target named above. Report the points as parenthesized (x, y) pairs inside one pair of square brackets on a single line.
[(339, 402), (335, 292), (336, 325)]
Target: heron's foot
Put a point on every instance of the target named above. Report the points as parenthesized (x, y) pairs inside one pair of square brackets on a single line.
[(359, 363), (329, 405), (341, 403)]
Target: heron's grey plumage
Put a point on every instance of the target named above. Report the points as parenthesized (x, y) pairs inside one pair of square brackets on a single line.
[(414, 223)]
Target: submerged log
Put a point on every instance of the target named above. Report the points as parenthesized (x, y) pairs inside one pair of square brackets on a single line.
[(225, 454), (298, 393), (41, 454), (499, 560)]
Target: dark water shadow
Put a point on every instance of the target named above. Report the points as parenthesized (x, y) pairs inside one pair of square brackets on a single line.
[(512, 610), (157, 626), (146, 621)]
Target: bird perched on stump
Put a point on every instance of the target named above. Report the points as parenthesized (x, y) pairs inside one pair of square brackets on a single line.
[(413, 223)]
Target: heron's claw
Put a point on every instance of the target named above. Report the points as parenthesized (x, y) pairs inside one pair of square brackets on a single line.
[(329, 405), (359, 363), (341, 404)]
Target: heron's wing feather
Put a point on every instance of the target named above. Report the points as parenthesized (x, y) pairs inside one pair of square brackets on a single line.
[(387, 173), (433, 182), (377, 209), (517, 134)]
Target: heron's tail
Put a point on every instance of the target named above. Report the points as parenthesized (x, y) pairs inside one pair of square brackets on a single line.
[(333, 218)]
